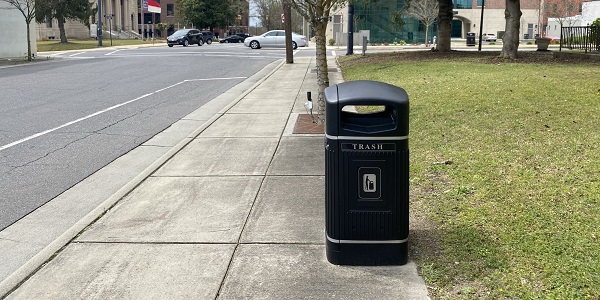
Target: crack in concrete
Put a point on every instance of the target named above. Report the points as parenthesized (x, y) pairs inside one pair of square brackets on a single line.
[(51, 152)]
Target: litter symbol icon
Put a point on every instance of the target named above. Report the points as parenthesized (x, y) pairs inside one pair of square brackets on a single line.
[(369, 183)]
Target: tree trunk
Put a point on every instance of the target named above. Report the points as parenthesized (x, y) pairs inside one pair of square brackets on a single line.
[(322, 75), (28, 42), (510, 41), (445, 16), (61, 29)]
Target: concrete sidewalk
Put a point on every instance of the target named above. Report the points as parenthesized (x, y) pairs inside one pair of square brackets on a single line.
[(235, 210)]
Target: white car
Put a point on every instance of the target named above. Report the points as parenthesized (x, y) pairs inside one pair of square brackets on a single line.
[(489, 37), (275, 38)]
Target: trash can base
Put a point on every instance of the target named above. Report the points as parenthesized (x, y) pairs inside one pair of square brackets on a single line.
[(367, 254)]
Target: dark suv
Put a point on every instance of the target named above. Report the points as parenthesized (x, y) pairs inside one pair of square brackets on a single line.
[(185, 37), (207, 37)]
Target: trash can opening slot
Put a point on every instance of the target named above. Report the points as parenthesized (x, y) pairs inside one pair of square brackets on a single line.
[(383, 118)]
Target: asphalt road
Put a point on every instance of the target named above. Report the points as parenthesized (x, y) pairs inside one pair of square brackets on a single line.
[(62, 120)]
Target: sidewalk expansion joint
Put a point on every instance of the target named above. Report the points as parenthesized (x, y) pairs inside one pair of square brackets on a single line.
[(209, 176), (295, 175), (154, 243), (285, 243), (197, 243)]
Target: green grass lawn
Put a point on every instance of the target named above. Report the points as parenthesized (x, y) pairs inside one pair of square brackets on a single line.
[(44, 46), (505, 171)]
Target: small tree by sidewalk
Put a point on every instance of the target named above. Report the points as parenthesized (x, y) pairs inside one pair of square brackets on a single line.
[(317, 13), (27, 9), (163, 27)]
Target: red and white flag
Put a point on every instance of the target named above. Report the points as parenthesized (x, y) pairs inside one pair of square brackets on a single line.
[(153, 6)]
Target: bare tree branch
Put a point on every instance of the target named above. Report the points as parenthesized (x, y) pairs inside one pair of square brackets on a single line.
[(425, 11)]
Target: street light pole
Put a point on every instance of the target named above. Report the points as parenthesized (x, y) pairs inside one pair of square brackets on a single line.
[(481, 24), (350, 44), (109, 17), (99, 29)]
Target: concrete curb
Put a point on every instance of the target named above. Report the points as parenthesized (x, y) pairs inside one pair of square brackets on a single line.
[(13, 281)]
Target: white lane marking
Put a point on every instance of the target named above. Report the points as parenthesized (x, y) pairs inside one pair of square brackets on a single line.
[(76, 54), (209, 79), (108, 109), (112, 52), (69, 123)]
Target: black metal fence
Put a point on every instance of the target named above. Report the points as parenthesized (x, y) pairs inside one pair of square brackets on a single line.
[(585, 38)]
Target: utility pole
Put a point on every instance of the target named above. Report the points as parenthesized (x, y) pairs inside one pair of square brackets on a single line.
[(287, 15)]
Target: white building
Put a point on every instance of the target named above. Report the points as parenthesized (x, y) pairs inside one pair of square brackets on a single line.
[(13, 36), (590, 11), (125, 19)]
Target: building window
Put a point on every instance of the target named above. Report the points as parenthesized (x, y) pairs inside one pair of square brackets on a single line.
[(479, 2), (48, 22), (170, 10), (463, 4)]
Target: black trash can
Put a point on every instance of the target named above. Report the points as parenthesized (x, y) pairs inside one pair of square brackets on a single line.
[(470, 38), (366, 175)]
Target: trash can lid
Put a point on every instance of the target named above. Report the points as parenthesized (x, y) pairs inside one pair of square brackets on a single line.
[(365, 92), (391, 122)]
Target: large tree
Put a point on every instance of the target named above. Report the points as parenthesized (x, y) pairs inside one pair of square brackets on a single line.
[(63, 10), (445, 17), (27, 9), (425, 11), (269, 12), (510, 41), (317, 13), (207, 13)]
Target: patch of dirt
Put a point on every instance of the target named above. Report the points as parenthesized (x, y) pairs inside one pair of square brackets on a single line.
[(424, 233)]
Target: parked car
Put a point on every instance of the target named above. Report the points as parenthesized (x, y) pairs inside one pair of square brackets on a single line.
[(275, 38), (207, 37), (232, 39), (185, 37), (488, 37), (243, 35)]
